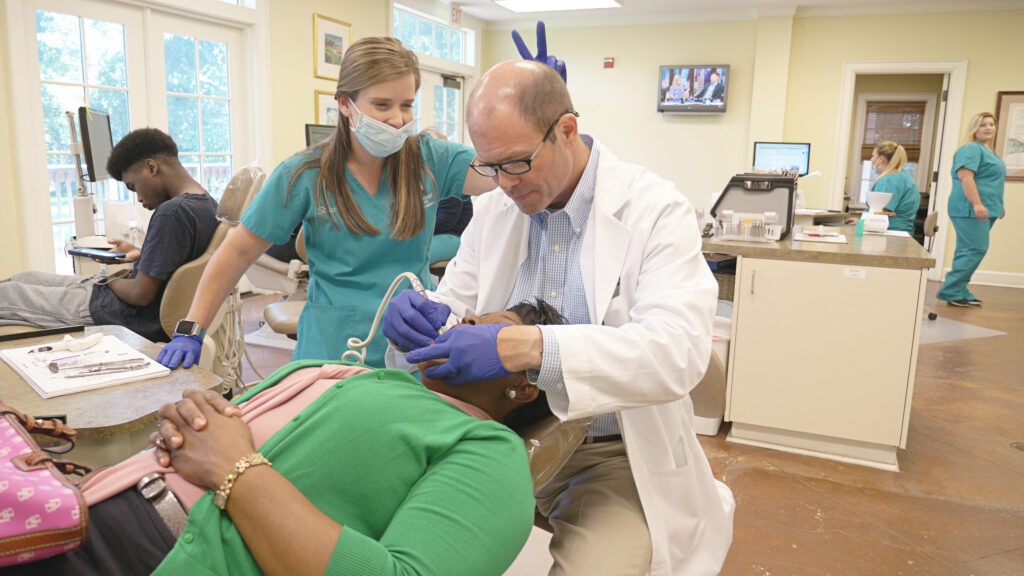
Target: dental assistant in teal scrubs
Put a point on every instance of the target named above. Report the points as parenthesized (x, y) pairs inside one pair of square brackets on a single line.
[(975, 203), (366, 199), (890, 158)]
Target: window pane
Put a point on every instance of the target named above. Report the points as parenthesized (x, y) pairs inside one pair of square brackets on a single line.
[(456, 47), (216, 126), (180, 63), (115, 103), (216, 174), (183, 122), (423, 41), (57, 100), (59, 38), (191, 164), (441, 42), (105, 55), (407, 29), (213, 68)]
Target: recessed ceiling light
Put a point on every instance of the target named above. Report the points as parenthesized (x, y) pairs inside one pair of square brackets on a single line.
[(551, 5)]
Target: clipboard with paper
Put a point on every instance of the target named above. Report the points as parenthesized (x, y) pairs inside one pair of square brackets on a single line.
[(77, 365)]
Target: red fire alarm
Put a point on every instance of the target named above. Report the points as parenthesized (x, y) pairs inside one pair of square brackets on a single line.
[(609, 62)]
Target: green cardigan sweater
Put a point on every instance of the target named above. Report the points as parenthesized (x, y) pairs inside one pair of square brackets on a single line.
[(419, 486)]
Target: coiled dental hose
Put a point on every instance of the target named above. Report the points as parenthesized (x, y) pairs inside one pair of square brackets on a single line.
[(357, 348)]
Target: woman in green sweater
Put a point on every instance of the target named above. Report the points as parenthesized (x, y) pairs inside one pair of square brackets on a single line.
[(357, 472)]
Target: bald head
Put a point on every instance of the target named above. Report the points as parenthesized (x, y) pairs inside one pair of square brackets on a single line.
[(532, 91)]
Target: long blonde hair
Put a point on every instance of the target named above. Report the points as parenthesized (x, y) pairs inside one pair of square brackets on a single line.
[(895, 156), (972, 127), (367, 62)]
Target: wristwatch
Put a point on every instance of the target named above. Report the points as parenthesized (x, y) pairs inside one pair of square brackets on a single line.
[(189, 328)]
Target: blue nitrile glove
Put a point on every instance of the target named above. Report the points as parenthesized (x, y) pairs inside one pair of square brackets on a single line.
[(542, 50), (411, 321), (472, 353), (181, 350)]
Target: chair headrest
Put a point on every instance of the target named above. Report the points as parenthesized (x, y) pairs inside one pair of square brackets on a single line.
[(239, 192)]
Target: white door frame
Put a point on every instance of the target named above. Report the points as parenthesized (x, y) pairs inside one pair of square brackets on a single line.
[(946, 142)]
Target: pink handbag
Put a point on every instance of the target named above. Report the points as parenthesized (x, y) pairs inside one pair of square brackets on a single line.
[(42, 512)]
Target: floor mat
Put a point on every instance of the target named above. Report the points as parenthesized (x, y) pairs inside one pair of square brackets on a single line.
[(946, 330)]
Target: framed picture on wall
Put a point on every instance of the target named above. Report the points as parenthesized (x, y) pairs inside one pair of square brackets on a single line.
[(1010, 133), (330, 40), (326, 108)]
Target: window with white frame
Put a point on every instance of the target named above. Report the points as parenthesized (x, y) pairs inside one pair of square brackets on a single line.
[(105, 55), (446, 54), (427, 35)]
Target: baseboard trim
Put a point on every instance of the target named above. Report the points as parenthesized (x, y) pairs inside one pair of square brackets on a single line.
[(1006, 279)]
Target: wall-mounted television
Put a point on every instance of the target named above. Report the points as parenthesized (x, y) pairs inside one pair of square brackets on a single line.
[(783, 156), (97, 142), (688, 89)]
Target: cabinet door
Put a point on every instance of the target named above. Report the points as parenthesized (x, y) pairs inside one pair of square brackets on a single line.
[(823, 348)]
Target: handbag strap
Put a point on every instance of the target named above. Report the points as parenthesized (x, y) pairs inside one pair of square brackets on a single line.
[(49, 427)]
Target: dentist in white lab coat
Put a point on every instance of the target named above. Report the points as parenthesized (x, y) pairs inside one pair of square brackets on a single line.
[(627, 270)]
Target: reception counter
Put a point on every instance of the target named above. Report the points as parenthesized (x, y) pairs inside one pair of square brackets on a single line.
[(824, 345)]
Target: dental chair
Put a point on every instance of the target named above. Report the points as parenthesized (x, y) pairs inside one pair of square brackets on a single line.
[(223, 346), (283, 317)]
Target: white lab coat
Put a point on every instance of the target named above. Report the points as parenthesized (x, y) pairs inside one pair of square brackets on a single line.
[(652, 300)]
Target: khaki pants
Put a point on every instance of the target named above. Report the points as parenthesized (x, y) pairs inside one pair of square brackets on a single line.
[(594, 508)]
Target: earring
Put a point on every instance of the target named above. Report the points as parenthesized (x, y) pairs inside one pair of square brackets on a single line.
[(510, 393)]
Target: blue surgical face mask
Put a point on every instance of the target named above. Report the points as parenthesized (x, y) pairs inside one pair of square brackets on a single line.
[(380, 139)]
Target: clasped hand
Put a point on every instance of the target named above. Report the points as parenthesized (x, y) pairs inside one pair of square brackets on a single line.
[(202, 436), (471, 352)]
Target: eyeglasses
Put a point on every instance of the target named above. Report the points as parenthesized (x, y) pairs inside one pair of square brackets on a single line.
[(517, 167)]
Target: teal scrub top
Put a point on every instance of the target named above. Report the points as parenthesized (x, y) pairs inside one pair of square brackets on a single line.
[(905, 201), (349, 274), (989, 175)]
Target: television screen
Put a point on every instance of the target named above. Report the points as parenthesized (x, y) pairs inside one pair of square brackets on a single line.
[(693, 89), (782, 156), (317, 133), (97, 142)]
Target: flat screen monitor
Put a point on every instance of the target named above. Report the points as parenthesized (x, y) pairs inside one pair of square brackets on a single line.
[(317, 133), (97, 142), (693, 89), (783, 156)]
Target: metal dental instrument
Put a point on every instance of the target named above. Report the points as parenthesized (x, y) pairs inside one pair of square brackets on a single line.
[(93, 367), (107, 370)]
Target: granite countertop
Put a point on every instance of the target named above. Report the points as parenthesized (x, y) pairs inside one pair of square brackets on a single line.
[(867, 250), (107, 412)]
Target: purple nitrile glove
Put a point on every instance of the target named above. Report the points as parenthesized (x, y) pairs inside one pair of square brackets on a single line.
[(472, 353), (542, 50), (181, 350), (411, 320)]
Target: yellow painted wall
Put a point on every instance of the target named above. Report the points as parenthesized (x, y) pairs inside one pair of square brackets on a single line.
[(618, 106), (989, 41), (13, 259), (291, 63)]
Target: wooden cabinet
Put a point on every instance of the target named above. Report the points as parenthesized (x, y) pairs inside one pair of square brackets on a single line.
[(823, 356)]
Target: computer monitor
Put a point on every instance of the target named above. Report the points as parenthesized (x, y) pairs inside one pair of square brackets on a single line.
[(317, 133), (783, 156), (97, 142)]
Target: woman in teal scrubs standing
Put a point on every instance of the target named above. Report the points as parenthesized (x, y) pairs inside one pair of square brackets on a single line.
[(889, 158), (974, 205), (366, 199)]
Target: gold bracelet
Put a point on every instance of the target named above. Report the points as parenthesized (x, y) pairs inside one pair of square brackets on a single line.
[(220, 499)]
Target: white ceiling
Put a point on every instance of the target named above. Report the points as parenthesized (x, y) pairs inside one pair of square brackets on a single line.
[(650, 11)]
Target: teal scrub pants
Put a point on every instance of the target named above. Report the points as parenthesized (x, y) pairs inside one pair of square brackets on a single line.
[(971, 245)]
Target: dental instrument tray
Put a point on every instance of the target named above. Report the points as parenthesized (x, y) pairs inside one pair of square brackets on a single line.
[(748, 227), (759, 207)]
